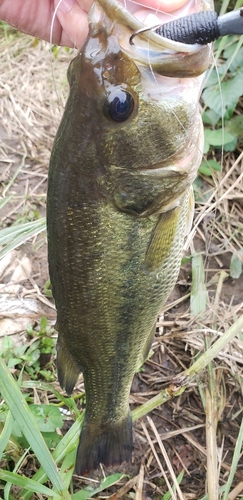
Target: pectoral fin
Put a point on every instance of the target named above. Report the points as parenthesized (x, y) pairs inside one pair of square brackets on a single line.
[(162, 239)]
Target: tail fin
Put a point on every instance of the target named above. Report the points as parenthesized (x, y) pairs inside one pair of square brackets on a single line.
[(111, 445)]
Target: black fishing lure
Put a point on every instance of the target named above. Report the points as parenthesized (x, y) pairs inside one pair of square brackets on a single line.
[(201, 27)]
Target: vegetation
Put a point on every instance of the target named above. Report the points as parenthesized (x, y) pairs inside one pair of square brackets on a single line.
[(202, 329)]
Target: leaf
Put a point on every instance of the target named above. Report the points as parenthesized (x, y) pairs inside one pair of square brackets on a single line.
[(13, 362), (211, 78), (47, 417), (198, 300), (235, 126), (51, 439), (16, 235), (18, 406), (224, 102), (206, 167), (231, 91), (210, 117), (236, 264), (235, 462), (106, 483), (6, 433), (84, 494), (212, 99), (202, 192), (68, 443), (230, 146), (167, 495), (67, 467), (43, 324), (237, 61), (4, 201), (7, 343), (218, 137), (25, 482)]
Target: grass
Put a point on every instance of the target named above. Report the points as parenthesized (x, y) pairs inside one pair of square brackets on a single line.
[(202, 340), (28, 425)]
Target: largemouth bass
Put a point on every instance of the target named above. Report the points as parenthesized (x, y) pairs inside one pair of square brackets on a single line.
[(119, 204)]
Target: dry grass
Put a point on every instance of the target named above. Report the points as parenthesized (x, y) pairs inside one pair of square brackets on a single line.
[(197, 432)]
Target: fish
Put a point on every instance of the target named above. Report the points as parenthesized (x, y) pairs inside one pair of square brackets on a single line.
[(119, 205)]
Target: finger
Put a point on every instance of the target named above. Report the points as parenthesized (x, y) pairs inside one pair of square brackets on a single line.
[(162, 5), (30, 16), (72, 15)]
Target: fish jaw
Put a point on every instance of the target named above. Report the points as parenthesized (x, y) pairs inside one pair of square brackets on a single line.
[(166, 57)]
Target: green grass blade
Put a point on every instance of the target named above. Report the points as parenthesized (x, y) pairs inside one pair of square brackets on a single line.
[(8, 485), (13, 478), (181, 382), (235, 461), (4, 201), (19, 408), (8, 186), (69, 402), (67, 467), (68, 443), (221, 490), (238, 4), (88, 492), (6, 433), (198, 299), (14, 236), (167, 495)]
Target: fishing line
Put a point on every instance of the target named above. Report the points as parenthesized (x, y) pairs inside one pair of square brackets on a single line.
[(59, 99), (51, 55), (156, 11), (207, 243), (53, 20), (222, 107), (210, 207)]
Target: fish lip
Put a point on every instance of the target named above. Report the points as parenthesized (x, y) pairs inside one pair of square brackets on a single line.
[(122, 16), (165, 57)]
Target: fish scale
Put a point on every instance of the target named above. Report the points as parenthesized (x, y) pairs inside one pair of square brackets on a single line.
[(119, 205)]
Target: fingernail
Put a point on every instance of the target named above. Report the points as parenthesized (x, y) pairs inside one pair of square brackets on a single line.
[(65, 5)]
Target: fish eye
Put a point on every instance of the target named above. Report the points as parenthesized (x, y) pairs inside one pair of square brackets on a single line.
[(120, 104)]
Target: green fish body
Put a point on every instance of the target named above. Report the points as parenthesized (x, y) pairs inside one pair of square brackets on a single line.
[(119, 205)]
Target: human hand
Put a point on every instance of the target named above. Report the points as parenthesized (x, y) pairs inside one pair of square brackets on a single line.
[(70, 26)]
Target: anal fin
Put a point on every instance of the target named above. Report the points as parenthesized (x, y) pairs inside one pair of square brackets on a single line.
[(67, 369), (146, 348)]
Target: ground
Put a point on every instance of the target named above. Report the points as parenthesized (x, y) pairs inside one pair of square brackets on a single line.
[(173, 436)]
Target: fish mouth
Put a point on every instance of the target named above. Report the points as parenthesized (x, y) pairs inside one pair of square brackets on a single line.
[(166, 57)]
